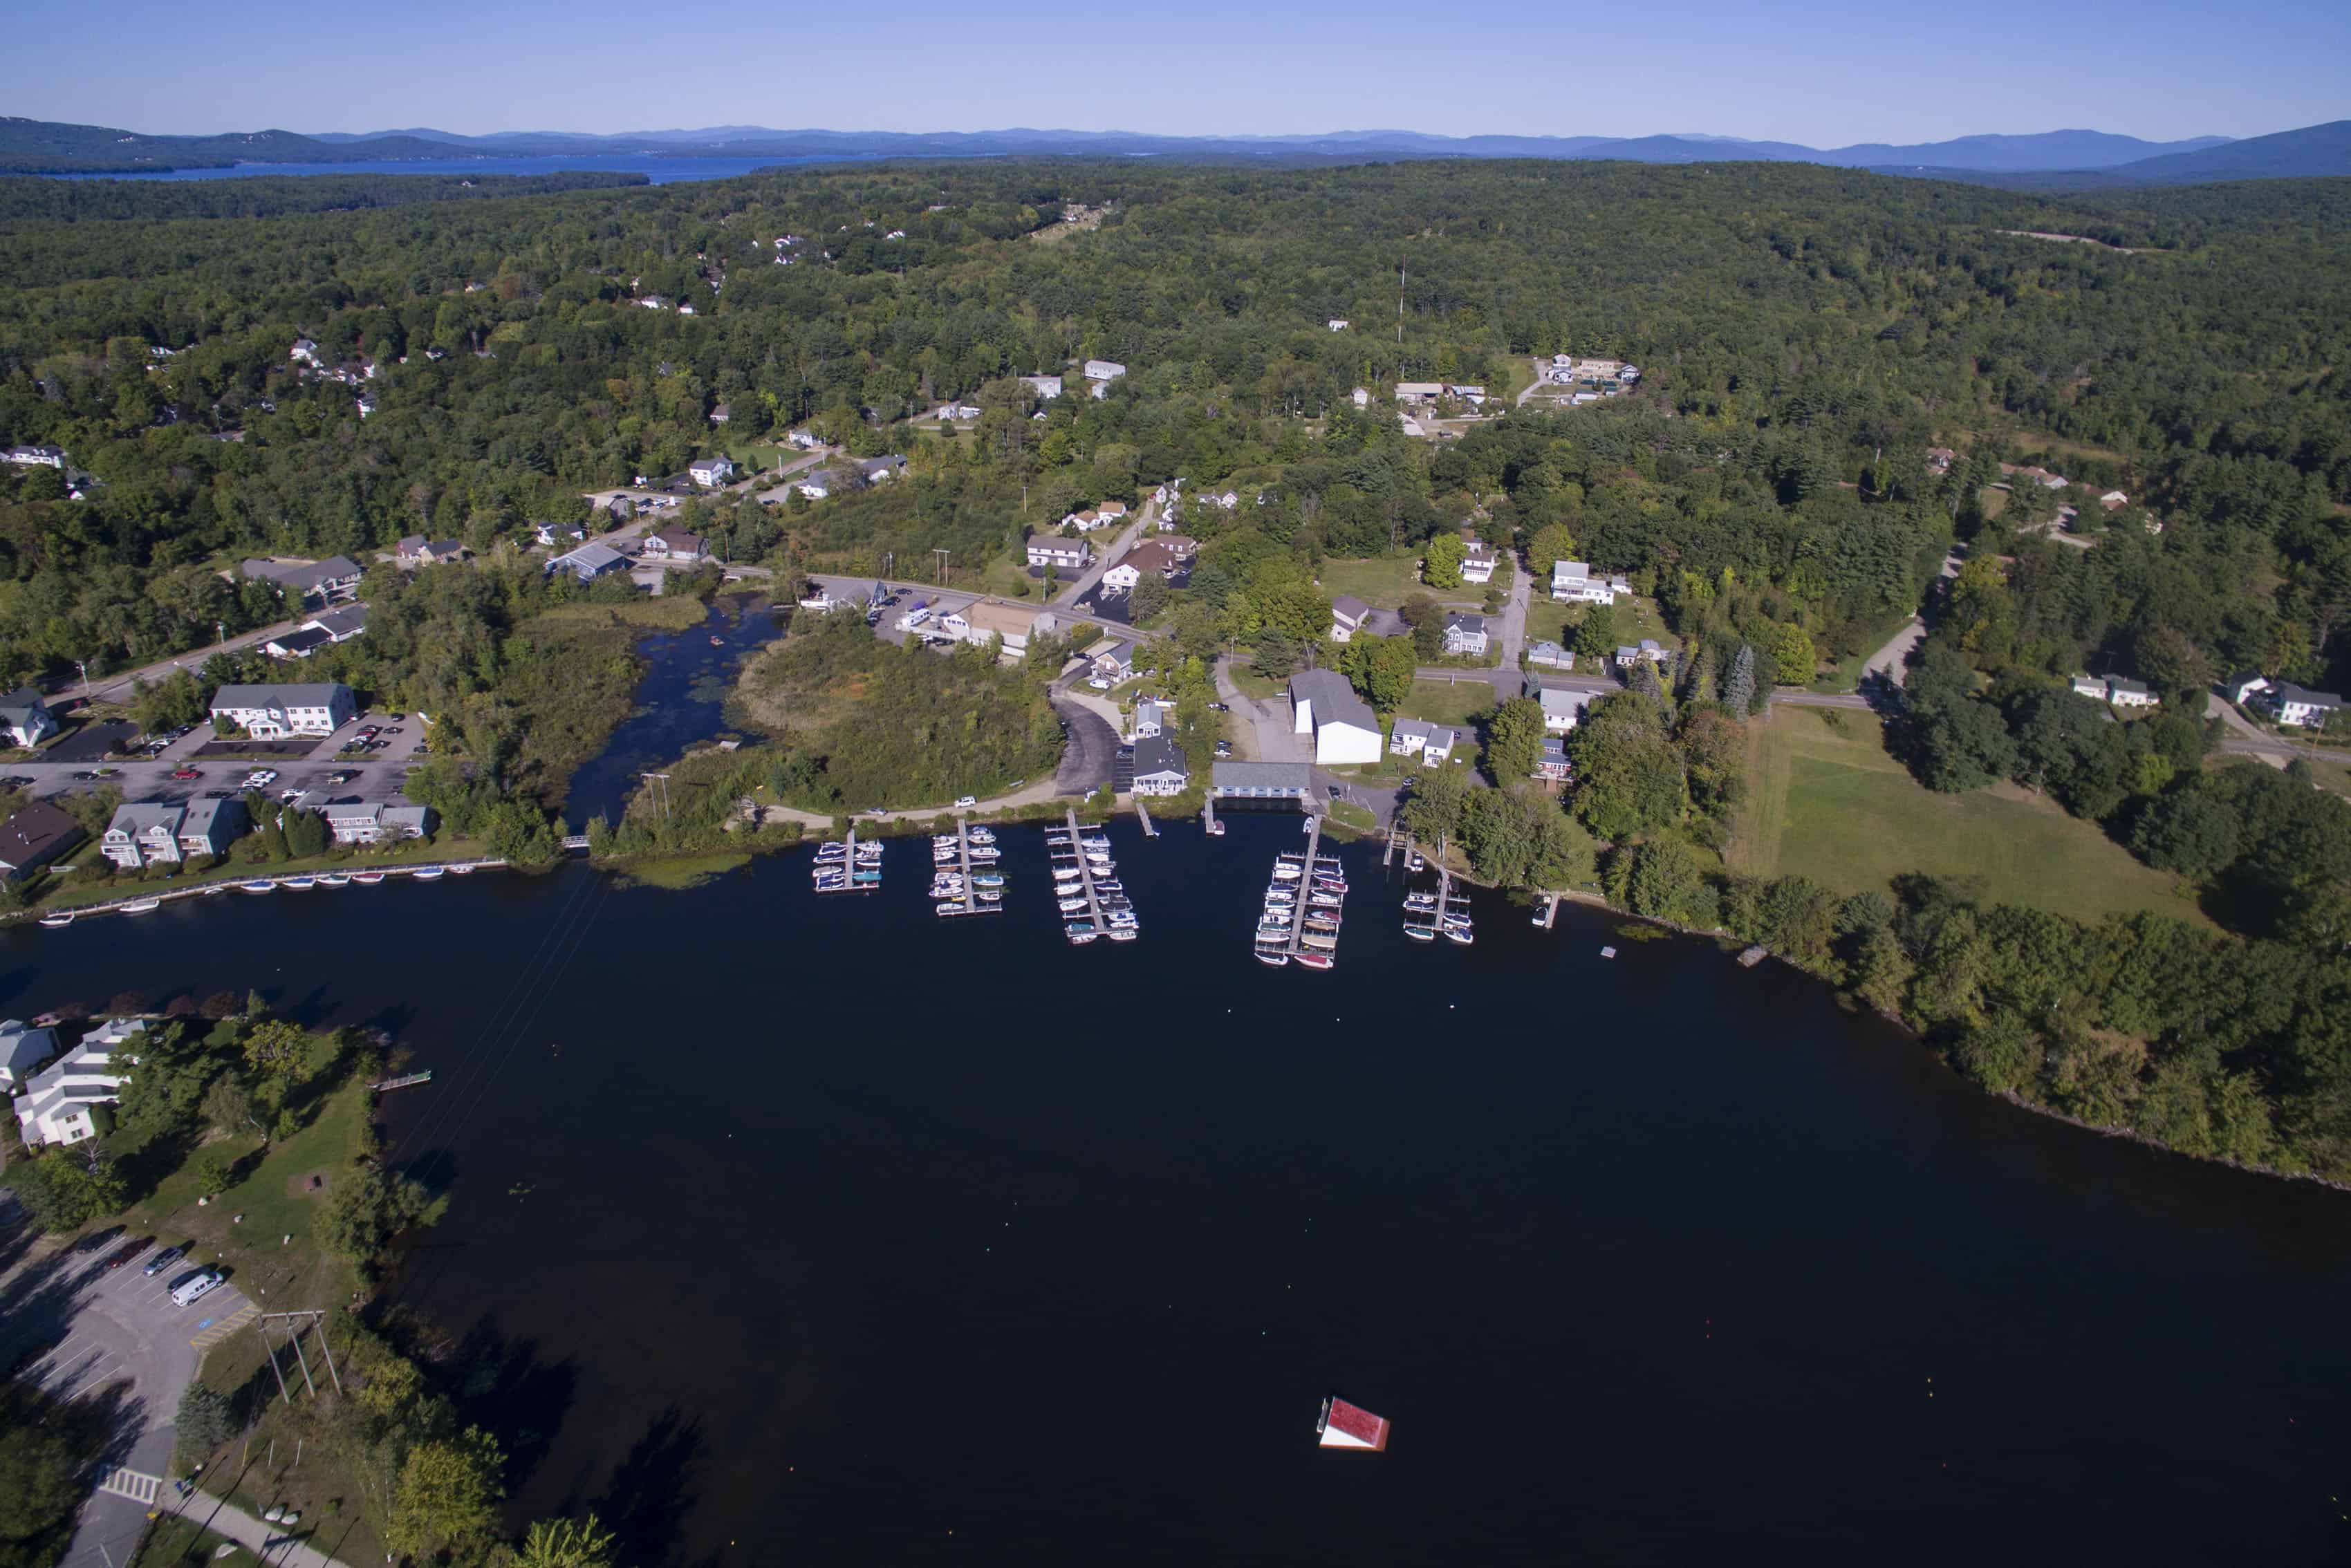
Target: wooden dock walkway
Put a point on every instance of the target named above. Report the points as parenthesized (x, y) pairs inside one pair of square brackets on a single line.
[(1150, 830), (1306, 883)]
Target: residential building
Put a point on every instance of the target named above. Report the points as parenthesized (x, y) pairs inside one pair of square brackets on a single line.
[(37, 456), (142, 834), (2121, 693), (2115, 500), (355, 822), (590, 561), (1085, 520), (2301, 707), (553, 534), (2240, 688), (1361, 397), (1939, 460), (208, 826), (1347, 613), (1067, 555), (674, 544), (37, 834), (1646, 651), (24, 714), (63, 1101), (340, 625), (1104, 370), (299, 644), (272, 712), (417, 551), (1159, 767), (1562, 710), (1153, 559), (1551, 763), (406, 822), (1477, 562), (1550, 655), (1338, 323), (21, 1048), (1325, 706), (1115, 663), (306, 352), (982, 620), (1571, 582), (1260, 781), (1152, 718), (817, 484), (720, 414), (1111, 511), (711, 472), (876, 470), (1432, 743), (1464, 636), (329, 579), (1048, 387), (2094, 686)]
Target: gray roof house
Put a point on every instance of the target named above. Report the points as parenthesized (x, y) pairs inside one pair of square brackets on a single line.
[(340, 625), (36, 835), (590, 561), (25, 715), (335, 574), (210, 826), (59, 1107), (1465, 634), (1324, 704), (143, 833), (1159, 767), (1432, 743), (21, 1048)]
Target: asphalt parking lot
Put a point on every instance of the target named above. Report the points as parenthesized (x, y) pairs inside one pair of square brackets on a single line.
[(81, 1331), (377, 775)]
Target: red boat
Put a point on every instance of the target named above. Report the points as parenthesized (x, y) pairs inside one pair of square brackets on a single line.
[(1345, 1425)]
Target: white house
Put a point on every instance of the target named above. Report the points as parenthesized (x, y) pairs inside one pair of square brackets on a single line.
[(37, 456), (674, 544), (1068, 555), (1571, 582), (1550, 656), (1347, 613), (711, 472), (273, 712), (1361, 397), (1646, 651), (1325, 706), (1464, 636), (2092, 686), (1046, 387), (1151, 719), (26, 717), (1159, 767), (306, 352), (980, 621), (1104, 370), (2301, 707), (1338, 323), (1562, 710), (1153, 559), (2123, 693), (61, 1104), (21, 1048), (1432, 743), (143, 833), (1477, 562)]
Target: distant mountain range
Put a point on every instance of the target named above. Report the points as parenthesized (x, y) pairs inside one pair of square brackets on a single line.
[(2053, 160)]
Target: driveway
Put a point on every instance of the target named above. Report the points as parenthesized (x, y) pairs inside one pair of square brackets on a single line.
[(1090, 759), (1264, 733), (114, 1334), (1108, 555)]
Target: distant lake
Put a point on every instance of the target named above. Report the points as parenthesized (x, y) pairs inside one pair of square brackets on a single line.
[(661, 171)]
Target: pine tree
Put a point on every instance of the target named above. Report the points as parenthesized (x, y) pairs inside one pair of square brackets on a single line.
[(1739, 691), (1645, 682)]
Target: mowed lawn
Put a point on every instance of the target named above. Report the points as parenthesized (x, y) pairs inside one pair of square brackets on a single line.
[(1384, 582), (1449, 702), (1835, 807)]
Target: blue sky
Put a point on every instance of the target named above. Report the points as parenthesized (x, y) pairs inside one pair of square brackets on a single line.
[(1824, 72)]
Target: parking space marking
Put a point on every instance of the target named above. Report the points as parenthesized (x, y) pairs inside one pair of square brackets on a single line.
[(211, 1333)]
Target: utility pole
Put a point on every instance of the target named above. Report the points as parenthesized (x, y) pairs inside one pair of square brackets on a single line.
[(220, 629), (1400, 272), (83, 665), (943, 556)]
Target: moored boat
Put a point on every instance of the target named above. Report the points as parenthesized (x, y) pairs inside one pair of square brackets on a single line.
[(57, 919), (334, 879), (142, 906), (461, 870), (1421, 933), (1460, 933), (300, 883), (421, 874), (1316, 960), (1274, 956), (367, 878)]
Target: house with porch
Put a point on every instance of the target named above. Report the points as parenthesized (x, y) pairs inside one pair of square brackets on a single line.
[(25, 715), (2299, 708), (1477, 559), (143, 833), (1464, 636), (1432, 743), (275, 712), (1550, 762), (1151, 719), (1159, 767), (1571, 582)]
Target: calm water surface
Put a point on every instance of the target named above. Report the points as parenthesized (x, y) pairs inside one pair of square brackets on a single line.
[(804, 1230), (680, 702)]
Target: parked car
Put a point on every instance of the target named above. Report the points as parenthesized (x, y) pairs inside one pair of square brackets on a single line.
[(129, 1251), (962, 800), (1220, 708), (163, 1261), (187, 773)]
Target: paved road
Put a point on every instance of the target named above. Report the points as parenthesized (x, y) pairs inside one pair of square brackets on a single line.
[(1108, 556), (99, 1334)]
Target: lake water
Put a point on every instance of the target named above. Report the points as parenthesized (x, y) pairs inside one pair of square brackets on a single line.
[(660, 171), (796, 1229), (680, 702)]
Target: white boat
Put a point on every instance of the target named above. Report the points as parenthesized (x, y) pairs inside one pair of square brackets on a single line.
[(1415, 862), (1460, 933), (981, 836), (334, 879), (1272, 956), (142, 906), (1123, 934), (57, 919), (1421, 933), (421, 874), (1071, 906), (1316, 960), (461, 870), (300, 883), (947, 909)]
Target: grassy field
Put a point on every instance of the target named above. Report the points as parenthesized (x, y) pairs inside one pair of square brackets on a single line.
[(1449, 702), (174, 1540), (1249, 683), (1382, 581), (1828, 802)]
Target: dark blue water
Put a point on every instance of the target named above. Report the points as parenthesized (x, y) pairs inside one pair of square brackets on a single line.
[(660, 171), (810, 1229), (680, 702)]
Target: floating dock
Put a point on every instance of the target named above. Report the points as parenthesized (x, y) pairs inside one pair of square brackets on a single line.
[(1150, 830), (1083, 848), (952, 857), (1311, 935), (1345, 1425), (850, 873)]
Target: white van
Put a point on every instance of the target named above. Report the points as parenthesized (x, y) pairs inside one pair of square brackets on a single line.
[(196, 1286)]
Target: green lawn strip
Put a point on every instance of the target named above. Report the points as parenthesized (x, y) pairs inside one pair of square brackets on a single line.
[(1852, 817), (1249, 683), (1382, 581), (408, 851), (1455, 703), (173, 1540)]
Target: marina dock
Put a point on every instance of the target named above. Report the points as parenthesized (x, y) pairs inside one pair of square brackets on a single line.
[(1081, 866), (1295, 927), (954, 876), (847, 867)]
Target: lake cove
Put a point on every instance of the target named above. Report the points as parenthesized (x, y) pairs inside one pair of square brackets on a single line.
[(791, 1229)]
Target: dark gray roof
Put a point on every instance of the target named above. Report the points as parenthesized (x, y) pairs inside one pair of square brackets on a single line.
[(1156, 754), (1294, 777), (2287, 692), (334, 569), (37, 832), (313, 694), (1463, 620), (294, 643), (21, 702)]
